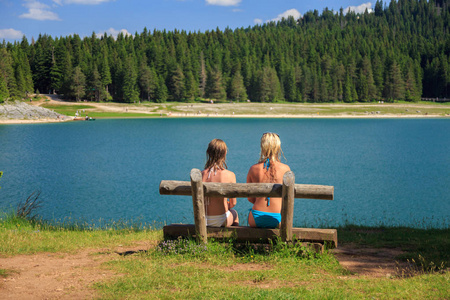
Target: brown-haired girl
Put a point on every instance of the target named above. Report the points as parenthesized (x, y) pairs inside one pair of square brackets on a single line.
[(219, 211)]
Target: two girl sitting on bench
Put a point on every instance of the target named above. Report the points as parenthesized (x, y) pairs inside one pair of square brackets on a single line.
[(266, 212)]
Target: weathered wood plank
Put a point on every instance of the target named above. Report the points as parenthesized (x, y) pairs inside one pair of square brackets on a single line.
[(244, 190), (287, 206), (250, 234), (198, 205)]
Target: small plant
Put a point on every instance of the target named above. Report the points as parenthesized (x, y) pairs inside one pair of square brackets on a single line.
[(1, 174), (181, 246), (419, 267), (25, 209)]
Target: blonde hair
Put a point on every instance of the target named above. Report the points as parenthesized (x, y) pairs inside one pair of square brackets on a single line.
[(270, 147), (216, 155), (270, 152)]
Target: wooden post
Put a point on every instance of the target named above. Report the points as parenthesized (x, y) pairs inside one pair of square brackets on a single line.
[(199, 207), (287, 206)]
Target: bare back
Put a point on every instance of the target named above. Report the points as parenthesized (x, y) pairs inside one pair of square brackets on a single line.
[(258, 174), (218, 206)]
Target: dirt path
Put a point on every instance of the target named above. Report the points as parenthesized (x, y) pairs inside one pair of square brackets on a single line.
[(60, 275), (71, 276)]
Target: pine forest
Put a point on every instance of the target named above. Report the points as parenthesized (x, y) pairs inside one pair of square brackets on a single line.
[(400, 51)]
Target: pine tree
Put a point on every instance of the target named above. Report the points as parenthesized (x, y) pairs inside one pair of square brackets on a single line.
[(130, 89), (395, 86), (411, 93), (4, 93), (177, 84), (348, 89), (55, 73), (366, 84), (237, 88), (78, 81), (214, 86), (202, 77), (105, 74), (161, 92), (7, 74), (148, 81), (96, 86), (191, 86), (290, 87)]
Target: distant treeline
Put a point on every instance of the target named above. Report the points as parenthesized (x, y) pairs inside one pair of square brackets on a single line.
[(401, 51)]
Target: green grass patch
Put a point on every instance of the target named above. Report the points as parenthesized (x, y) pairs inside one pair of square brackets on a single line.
[(4, 273), (68, 110), (183, 269), (95, 114), (187, 270), (16, 234)]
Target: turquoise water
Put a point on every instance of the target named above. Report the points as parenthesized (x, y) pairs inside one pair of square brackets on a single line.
[(385, 171)]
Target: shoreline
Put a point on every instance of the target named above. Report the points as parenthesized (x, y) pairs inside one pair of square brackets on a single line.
[(236, 116), (43, 111)]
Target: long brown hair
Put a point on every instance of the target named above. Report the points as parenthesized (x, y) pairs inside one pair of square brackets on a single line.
[(216, 155)]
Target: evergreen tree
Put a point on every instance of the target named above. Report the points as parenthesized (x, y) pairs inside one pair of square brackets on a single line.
[(177, 84), (395, 86), (214, 86), (4, 93), (237, 88), (105, 74), (148, 81), (161, 92), (269, 87), (77, 88), (202, 76), (7, 74), (96, 86), (130, 89), (290, 87), (191, 86)]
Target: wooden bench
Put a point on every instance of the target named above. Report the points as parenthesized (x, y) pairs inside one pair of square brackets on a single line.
[(288, 191)]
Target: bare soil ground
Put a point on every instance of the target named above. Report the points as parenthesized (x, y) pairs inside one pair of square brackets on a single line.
[(71, 276)]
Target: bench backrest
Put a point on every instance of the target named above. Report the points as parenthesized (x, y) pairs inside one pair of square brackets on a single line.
[(287, 191)]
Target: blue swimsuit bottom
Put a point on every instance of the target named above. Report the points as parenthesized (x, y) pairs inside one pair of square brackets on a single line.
[(266, 219)]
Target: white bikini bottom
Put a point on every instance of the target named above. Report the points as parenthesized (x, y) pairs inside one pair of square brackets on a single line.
[(217, 221)]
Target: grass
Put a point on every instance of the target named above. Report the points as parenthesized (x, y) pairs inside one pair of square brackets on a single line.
[(67, 237), (95, 114), (228, 108), (185, 269), (70, 110)]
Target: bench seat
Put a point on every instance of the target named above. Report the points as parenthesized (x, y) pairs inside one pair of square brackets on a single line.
[(244, 233)]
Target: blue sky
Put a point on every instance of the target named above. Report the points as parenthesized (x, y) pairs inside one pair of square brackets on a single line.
[(65, 17)]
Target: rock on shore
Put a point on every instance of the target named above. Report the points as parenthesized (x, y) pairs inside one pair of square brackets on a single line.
[(18, 110)]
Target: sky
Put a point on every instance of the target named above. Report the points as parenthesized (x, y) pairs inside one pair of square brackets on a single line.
[(83, 17)]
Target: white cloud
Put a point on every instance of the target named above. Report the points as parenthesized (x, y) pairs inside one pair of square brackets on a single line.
[(113, 32), (223, 2), (291, 12), (360, 9), (10, 34), (38, 11), (237, 10), (257, 21)]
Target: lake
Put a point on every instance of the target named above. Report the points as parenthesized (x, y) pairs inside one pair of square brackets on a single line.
[(392, 172)]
